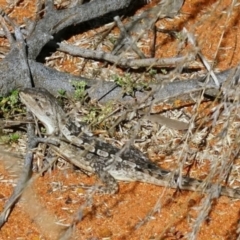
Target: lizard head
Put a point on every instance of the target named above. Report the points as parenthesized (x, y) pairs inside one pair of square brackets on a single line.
[(44, 106)]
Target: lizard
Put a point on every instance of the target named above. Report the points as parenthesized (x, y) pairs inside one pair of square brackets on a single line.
[(93, 155)]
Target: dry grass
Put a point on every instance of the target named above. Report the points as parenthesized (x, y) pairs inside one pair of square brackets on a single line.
[(207, 150)]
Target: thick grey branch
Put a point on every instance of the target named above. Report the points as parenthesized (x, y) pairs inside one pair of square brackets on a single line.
[(55, 21), (54, 80)]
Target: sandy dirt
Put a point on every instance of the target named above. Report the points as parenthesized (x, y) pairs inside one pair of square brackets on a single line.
[(51, 204)]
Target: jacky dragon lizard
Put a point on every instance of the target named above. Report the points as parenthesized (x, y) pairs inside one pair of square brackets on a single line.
[(94, 155)]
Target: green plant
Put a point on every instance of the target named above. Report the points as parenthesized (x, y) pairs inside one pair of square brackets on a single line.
[(9, 138), (91, 117), (10, 104), (128, 84), (80, 90), (61, 96), (164, 71), (61, 93), (98, 114), (112, 39), (152, 72)]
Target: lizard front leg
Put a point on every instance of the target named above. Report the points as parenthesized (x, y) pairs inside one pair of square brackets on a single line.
[(71, 138), (90, 162)]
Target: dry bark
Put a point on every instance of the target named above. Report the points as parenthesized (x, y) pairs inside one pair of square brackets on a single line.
[(20, 67)]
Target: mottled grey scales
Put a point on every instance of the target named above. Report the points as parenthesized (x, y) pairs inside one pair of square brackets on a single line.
[(91, 154)]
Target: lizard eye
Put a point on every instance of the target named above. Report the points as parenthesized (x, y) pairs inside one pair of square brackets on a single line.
[(38, 102), (48, 114)]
